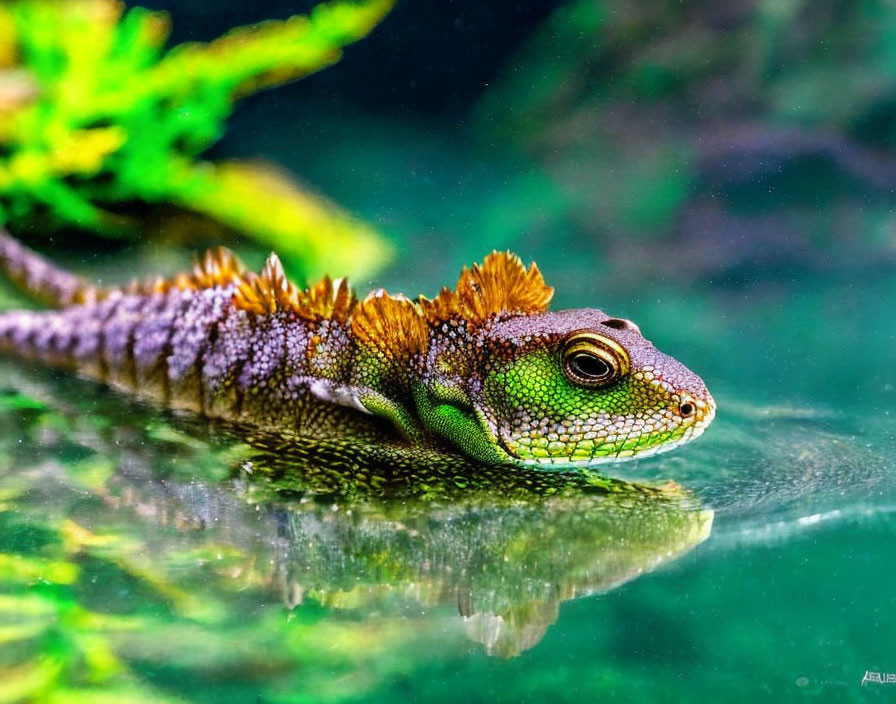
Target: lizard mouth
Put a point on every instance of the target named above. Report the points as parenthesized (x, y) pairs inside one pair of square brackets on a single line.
[(691, 427), (505, 448)]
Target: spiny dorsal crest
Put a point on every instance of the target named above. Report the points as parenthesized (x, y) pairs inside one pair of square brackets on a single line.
[(502, 284), (391, 325), (217, 267), (271, 291), (267, 292), (327, 300)]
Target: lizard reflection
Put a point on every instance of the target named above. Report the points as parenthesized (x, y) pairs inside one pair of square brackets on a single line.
[(349, 526)]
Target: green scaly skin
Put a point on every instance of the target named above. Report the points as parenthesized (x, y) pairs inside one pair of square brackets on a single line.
[(486, 371)]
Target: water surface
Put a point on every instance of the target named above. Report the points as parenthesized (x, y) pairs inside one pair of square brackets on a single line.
[(147, 556)]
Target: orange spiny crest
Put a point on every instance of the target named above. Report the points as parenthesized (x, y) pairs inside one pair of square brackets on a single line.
[(392, 325), (441, 308), (267, 292), (502, 284), (218, 267), (271, 291), (327, 300)]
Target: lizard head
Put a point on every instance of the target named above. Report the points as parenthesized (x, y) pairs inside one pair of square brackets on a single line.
[(581, 387), (573, 387)]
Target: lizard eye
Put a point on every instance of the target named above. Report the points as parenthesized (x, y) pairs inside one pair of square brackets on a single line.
[(592, 360), (588, 367)]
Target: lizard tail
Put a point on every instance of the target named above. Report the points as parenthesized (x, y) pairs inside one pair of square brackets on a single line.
[(39, 278)]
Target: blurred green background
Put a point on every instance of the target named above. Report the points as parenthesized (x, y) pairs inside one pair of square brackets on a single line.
[(721, 173)]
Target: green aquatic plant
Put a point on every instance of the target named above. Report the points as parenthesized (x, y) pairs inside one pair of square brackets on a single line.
[(96, 114)]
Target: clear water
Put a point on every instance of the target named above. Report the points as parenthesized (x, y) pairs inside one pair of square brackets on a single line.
[(140, 562)]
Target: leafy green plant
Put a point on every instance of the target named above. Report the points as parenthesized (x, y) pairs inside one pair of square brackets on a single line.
[(95, 114)]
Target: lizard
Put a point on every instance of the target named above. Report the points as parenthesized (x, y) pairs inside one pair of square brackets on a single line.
[(484, 369)]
